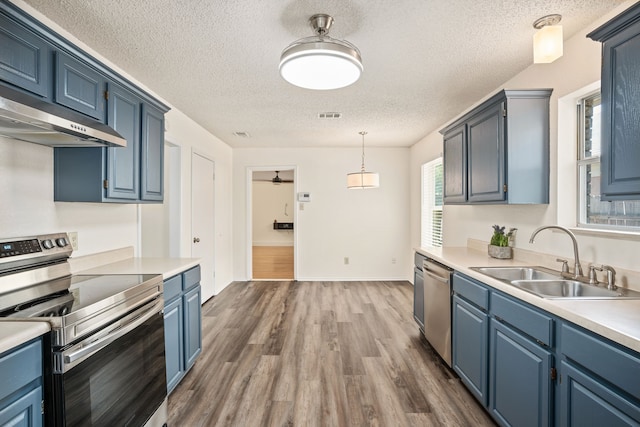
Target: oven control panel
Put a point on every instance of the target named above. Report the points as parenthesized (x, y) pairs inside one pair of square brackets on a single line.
[(46, 246)]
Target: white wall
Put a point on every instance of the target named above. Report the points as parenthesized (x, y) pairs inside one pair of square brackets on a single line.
[(272, 203), (368, 226), (27, 207), (579, 68), (26, 193)]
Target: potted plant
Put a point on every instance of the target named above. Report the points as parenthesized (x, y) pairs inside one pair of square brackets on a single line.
[(501, 243)]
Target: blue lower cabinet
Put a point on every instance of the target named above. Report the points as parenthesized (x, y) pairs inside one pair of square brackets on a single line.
[(470, 335), (173, 336), (521, 385), (585, 401), (192, 325), (600, 380), (21, 386), (182, 324), (25, 411)]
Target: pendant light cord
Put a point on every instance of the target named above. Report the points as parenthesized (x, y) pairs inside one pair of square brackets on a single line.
[(363, 133)]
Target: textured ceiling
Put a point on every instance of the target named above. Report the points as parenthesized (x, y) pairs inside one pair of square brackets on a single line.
[(425, 61)]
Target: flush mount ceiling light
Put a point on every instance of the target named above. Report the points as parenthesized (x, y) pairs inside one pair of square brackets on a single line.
[(363, 179), (547, 41), (320, 62)]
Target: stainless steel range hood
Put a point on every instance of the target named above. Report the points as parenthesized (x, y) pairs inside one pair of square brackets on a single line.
[(27, 118)]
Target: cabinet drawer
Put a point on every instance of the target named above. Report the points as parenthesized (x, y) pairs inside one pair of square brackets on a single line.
[(19, 367), (471, 291), (191, 277), (172, 288), (418, 259), (533, 323), (619, 366)]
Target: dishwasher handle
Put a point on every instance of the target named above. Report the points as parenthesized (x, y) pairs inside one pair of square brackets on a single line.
[(427, 269)]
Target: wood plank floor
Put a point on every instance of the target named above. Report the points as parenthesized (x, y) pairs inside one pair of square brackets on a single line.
[(272, 262), (318, 354)]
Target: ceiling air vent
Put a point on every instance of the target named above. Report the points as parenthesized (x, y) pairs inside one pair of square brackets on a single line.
[(242, 134), (330, 115)]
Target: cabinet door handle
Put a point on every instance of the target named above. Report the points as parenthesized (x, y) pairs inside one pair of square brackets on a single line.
[(196, 240)]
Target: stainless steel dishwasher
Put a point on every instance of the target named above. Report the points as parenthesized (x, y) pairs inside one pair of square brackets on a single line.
[(437, 307)]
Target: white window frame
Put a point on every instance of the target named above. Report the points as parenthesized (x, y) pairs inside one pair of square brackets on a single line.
[(582, 163), (430, 236)]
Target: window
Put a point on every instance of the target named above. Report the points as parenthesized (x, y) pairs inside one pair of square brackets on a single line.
[(432, 186), (594, 213)]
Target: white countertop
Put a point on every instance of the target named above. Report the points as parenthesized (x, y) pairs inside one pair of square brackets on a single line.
[(168, 267), (14, 333), (617, 320)]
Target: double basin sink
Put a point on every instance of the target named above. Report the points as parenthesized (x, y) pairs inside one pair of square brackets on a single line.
[(550, 284)]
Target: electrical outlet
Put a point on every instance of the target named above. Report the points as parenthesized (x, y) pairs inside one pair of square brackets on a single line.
[(346, 260), (393, 260), (301, 206), (73, 239)]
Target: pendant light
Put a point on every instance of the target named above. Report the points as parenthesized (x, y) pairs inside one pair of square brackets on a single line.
[(321, 62), (547, 41), (361, 180)]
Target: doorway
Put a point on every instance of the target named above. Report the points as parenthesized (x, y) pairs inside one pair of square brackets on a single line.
[(272, 223)]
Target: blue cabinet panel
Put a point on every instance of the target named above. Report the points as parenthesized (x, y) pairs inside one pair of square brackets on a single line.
[(24, 58), (183, 324), (79, 87), (455, 165), (26, 411), (471, 290), (470, 335), (123, 163), (538, 325), (21, 394), (152, 152), (614, 364), (193, 326), (587, 402), (418, 298), (620, 89), (486, 155), (173, 337), (520, 387), (191, 277)]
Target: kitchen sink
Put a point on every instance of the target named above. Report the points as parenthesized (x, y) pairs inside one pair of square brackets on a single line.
[(564, 289), (509, 274), (550, 284)]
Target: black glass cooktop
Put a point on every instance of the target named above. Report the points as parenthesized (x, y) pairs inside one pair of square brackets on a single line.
[(67, 295)]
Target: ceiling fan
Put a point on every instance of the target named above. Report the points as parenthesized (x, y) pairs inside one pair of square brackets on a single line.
[(277, 180)]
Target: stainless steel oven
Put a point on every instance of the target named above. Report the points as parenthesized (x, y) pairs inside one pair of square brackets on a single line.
[(104, 358)]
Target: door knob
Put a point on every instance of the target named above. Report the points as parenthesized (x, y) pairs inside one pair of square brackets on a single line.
[(196, 240)]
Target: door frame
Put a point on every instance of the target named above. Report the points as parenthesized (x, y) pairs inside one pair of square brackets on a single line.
[(249, 214)]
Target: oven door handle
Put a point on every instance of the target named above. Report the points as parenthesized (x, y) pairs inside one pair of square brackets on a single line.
[(129, 323)]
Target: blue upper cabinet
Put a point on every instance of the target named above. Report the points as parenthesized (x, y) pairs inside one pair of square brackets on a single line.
[(79, 87), (620, 104), (35, 59), (486, 155), (123, 163), (131, 174), (152, 154), (24, 58), (455, 165), (499, 151)]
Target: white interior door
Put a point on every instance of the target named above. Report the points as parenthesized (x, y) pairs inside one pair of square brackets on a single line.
[(202, 221)]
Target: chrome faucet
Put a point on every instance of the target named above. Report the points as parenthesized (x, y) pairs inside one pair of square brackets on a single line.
[(577, 268)]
